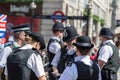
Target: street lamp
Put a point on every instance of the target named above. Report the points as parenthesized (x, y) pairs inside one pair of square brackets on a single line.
[(88, 7), (32, 6)]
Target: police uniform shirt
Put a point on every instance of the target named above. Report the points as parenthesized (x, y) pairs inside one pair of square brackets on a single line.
[(56, 59), (34, 63), (11, 38), (70, 73), (54, 47), (106, 51), (4, 54)]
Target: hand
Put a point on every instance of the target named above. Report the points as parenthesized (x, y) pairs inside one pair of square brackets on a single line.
[(1, 70), (56, 73)]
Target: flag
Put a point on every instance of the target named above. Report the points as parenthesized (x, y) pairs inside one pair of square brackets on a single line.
[(3, 21)]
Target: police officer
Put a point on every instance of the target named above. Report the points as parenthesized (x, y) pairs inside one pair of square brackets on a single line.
[(108, 55), (67, 53), (54, 44), (25, 63), (83, 68), (118, 46), (19, 36)]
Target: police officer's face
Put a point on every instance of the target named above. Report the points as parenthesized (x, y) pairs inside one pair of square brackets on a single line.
[(22, 36), (60, 33), (71, 41), (74, 40), (102, 39)]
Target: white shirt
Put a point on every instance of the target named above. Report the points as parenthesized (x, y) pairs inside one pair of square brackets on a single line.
[(106, 51), (56, 59), (4, 54), (70, 73), (54, 47), (34, 63)]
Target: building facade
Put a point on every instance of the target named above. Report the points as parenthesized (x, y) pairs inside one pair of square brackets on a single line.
[(69, 8), (100, 15), (117, 17), (100, 11)]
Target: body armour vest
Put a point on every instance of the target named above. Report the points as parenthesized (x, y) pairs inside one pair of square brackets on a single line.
[(113, 62), (65, 59), (17, 65), (50, 54), (12, 46), (86, 72)]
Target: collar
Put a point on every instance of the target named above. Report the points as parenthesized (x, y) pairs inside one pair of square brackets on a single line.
[(27, 46), (54, 37), (85, 59), (111, 41), (71, 51), (16, 44)]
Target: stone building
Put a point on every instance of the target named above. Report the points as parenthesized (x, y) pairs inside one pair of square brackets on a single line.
[(117, 18), (100, 14), (100, 11), (69, 8)]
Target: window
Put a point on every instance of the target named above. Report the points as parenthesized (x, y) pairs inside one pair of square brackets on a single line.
[(102, 14), (95, 9)]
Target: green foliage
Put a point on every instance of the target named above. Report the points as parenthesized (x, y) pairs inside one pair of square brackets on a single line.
[(98, 19), (102, 21), (95, 17), (21, 1), (85, 12)]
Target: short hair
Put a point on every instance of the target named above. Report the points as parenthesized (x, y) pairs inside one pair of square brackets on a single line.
[(55, 31), (30, 39), (84, 50)]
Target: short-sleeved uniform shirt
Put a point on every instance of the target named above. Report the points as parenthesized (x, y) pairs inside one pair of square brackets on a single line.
[(106, 51), (54, 47), (4, 54), (34, 63)]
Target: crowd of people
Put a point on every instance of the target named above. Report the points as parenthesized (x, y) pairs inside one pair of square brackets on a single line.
[(69, 55)]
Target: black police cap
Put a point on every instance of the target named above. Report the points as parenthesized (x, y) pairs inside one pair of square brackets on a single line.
[(58, 26), (69, 33), (106, 32), (83, 41), (39, 37)]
